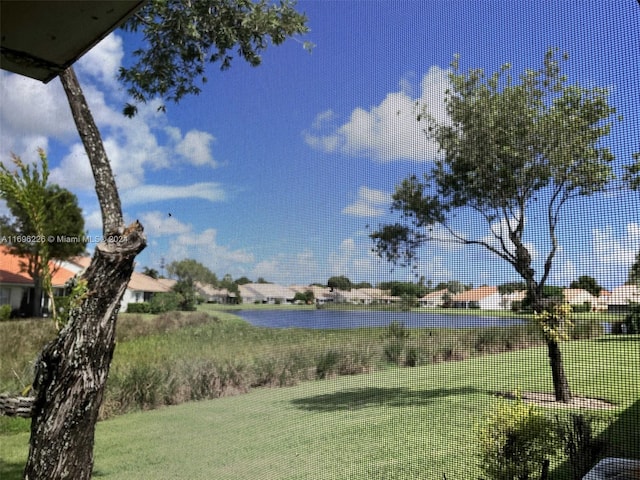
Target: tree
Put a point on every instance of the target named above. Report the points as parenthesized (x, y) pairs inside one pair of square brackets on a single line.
[(47, 223), (587, 283), (193, 270), (505, 147), (510, 287), (71, 371), (151, 272), (181, 41), (340, 282), (634, 272)]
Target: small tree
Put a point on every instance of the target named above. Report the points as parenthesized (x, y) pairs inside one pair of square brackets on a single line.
[(634, 272), (47, 224), (506, 146)]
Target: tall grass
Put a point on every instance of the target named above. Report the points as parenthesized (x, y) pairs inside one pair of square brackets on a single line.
[(178, 357)]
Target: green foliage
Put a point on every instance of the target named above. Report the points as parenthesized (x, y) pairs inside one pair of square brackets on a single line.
[(515, 441), (556, 322), (187, 295), (397, 335), (180, 39), (585, 307), (511, 287), (587, 283), (193, 270), (139, 307), (304, 297), (399, 289), (77, 290), (165, 302), (632, 319), (340, 282), (579, 443), (5, 312)]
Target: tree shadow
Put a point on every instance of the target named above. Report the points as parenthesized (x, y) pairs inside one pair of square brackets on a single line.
[(621, 439), (359, 398), (11, 471)]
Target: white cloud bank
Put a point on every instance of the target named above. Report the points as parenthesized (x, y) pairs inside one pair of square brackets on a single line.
[(388, 131), (370, 203)]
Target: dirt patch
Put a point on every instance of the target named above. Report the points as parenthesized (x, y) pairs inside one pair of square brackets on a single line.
[(549, 400)]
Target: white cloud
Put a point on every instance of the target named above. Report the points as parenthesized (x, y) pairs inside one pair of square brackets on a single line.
[(210, 191), (370, 203), (103, 60), (195, 148), (389, 131), (616, 251), (161, 224)]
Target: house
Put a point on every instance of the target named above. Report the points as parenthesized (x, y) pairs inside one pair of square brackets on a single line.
[(16, 286), (484, 298), (266, 293), (579, 296), (434, 299), (210, 294), (321, 295), (622, 297), (508, 299)]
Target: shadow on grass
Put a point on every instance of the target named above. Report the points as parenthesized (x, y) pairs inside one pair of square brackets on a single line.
[(11, 471), (619, 338), (621, 438), (359, 398)]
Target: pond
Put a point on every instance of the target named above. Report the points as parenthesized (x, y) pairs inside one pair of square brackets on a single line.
[(330, 319)]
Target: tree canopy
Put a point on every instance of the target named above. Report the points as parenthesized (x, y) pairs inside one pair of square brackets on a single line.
[(587, 283), (340, 282), (182, 37), (507, 146), (190, 269), (634, 272)]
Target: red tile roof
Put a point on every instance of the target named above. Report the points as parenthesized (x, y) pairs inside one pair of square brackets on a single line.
[(475, 294), (11, 270)]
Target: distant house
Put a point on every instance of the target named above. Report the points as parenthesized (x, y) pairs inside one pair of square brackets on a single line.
[(508, 299), (434, 299), (211, 294), (484, 298), (270, 293), (321, 295), (622, 297), (579, 296)]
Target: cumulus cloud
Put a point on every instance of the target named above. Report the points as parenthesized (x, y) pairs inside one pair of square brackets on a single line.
[(156, 223), (616, 251), (370, 203), (195, 148), (388, 131)]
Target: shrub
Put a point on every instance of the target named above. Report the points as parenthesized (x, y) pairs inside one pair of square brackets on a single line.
[(165, 302), (632, 320), (583, 308), (327, 363), (516, 442), (141, 307), (578, 442), (5, 312)]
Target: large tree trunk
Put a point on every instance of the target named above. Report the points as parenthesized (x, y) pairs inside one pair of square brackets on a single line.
[(71, 372)]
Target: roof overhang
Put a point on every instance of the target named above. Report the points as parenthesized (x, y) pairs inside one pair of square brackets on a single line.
[(40, 39)]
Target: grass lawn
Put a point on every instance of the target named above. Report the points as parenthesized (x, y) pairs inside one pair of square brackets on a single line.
[(400, 423)]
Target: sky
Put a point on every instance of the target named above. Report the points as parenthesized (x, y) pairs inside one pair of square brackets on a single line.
[(277, 171)]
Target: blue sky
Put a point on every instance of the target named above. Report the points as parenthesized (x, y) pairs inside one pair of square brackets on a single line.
[(276, 171)]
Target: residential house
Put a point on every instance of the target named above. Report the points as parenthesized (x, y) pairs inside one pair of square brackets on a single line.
[(434, 299), (579, 296), (211, 294), (622, 297), (484, 298), (321, 295), (17, 288), (508, 299), (270, 293)]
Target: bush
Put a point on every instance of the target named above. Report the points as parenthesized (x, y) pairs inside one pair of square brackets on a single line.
[(165, 302), (5, 312), (584, 308), (579, 443), (142, 307), (516, 442), (632, 320)]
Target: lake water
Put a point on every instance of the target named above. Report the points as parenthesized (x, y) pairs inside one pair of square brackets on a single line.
[(329, 319)]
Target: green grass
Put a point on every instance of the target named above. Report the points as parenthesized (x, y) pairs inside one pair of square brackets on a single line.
[(400, 423)]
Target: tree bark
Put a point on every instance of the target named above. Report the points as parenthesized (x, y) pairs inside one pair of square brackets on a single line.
[(560, 382), (71, 372)]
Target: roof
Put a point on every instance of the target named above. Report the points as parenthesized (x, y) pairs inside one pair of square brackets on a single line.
[(40, 39), (475, 294), (140, 282), (266, 290), (11, 270), (625, 294)]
